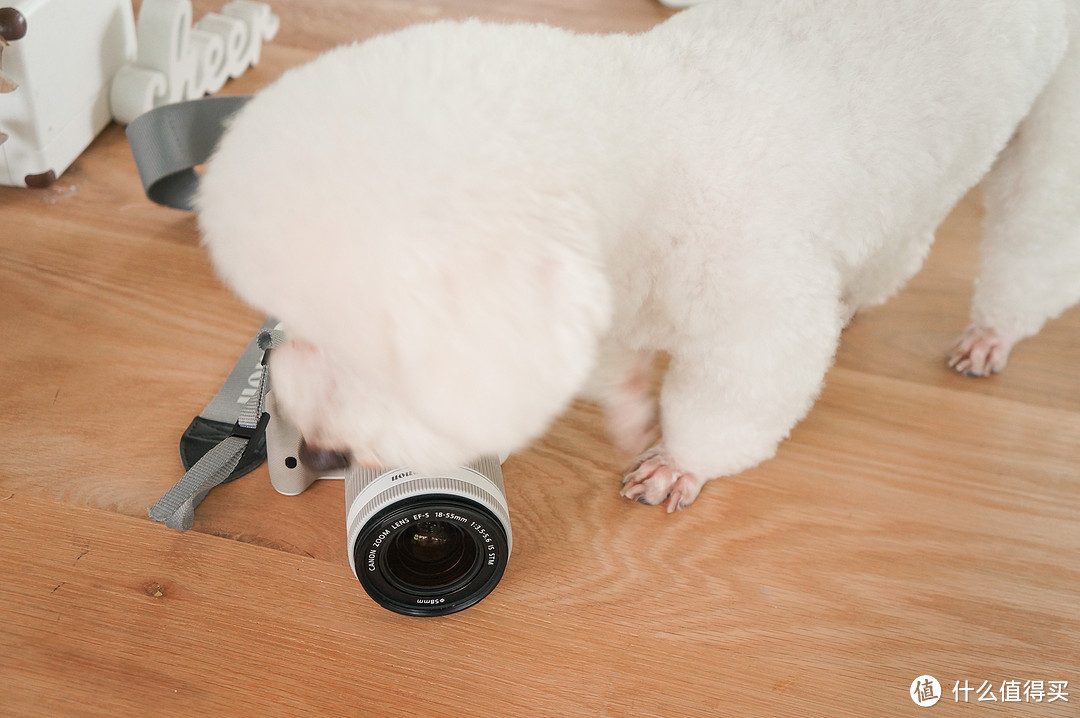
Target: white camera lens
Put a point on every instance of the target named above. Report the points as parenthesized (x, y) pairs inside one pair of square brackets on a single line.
[(428, 544)]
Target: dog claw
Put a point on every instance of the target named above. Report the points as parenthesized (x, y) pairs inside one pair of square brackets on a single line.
[(656, 479), (980, 351)]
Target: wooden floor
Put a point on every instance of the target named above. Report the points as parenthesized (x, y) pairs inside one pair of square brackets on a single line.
[(917, 522)]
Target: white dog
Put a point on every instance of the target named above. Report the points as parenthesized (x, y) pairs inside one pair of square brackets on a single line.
[(464, 225)]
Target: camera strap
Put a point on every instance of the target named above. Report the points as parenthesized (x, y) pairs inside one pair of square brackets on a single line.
[(246, 439), (170, 141), (226, 440)]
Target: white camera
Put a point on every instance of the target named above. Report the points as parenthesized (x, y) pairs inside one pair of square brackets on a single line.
[(420, 544)]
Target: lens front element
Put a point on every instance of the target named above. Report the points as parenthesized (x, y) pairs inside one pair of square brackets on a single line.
[(431, 555)]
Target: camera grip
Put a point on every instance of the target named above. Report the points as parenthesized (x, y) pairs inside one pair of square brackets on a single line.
[(287, 474)]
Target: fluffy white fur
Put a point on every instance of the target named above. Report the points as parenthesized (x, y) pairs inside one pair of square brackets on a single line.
[(464, 225)]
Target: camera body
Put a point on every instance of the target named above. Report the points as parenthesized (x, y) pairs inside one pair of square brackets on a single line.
[(420, 544)]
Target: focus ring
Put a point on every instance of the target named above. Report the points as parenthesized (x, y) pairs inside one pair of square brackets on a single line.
[(410, 485)]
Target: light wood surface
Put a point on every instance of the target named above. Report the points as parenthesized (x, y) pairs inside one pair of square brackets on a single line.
[(917, 522)]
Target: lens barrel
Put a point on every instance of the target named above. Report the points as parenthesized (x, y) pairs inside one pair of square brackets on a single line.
[(428, 545)]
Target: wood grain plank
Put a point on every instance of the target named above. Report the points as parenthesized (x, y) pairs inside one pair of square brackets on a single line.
[(319, 26), (823, 596), (915, 522)]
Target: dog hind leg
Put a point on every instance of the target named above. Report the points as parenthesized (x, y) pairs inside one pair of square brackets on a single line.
[(1030, 251)]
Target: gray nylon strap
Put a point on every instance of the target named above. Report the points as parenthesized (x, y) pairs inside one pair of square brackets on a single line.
[(240, 385), (170, 141), (177, 507)]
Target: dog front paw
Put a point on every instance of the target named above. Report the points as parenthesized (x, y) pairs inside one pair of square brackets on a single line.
[(656, 479), (980, 351)]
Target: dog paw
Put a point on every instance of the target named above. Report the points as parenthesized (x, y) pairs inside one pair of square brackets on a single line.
[(656, 479), (980, 351)]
